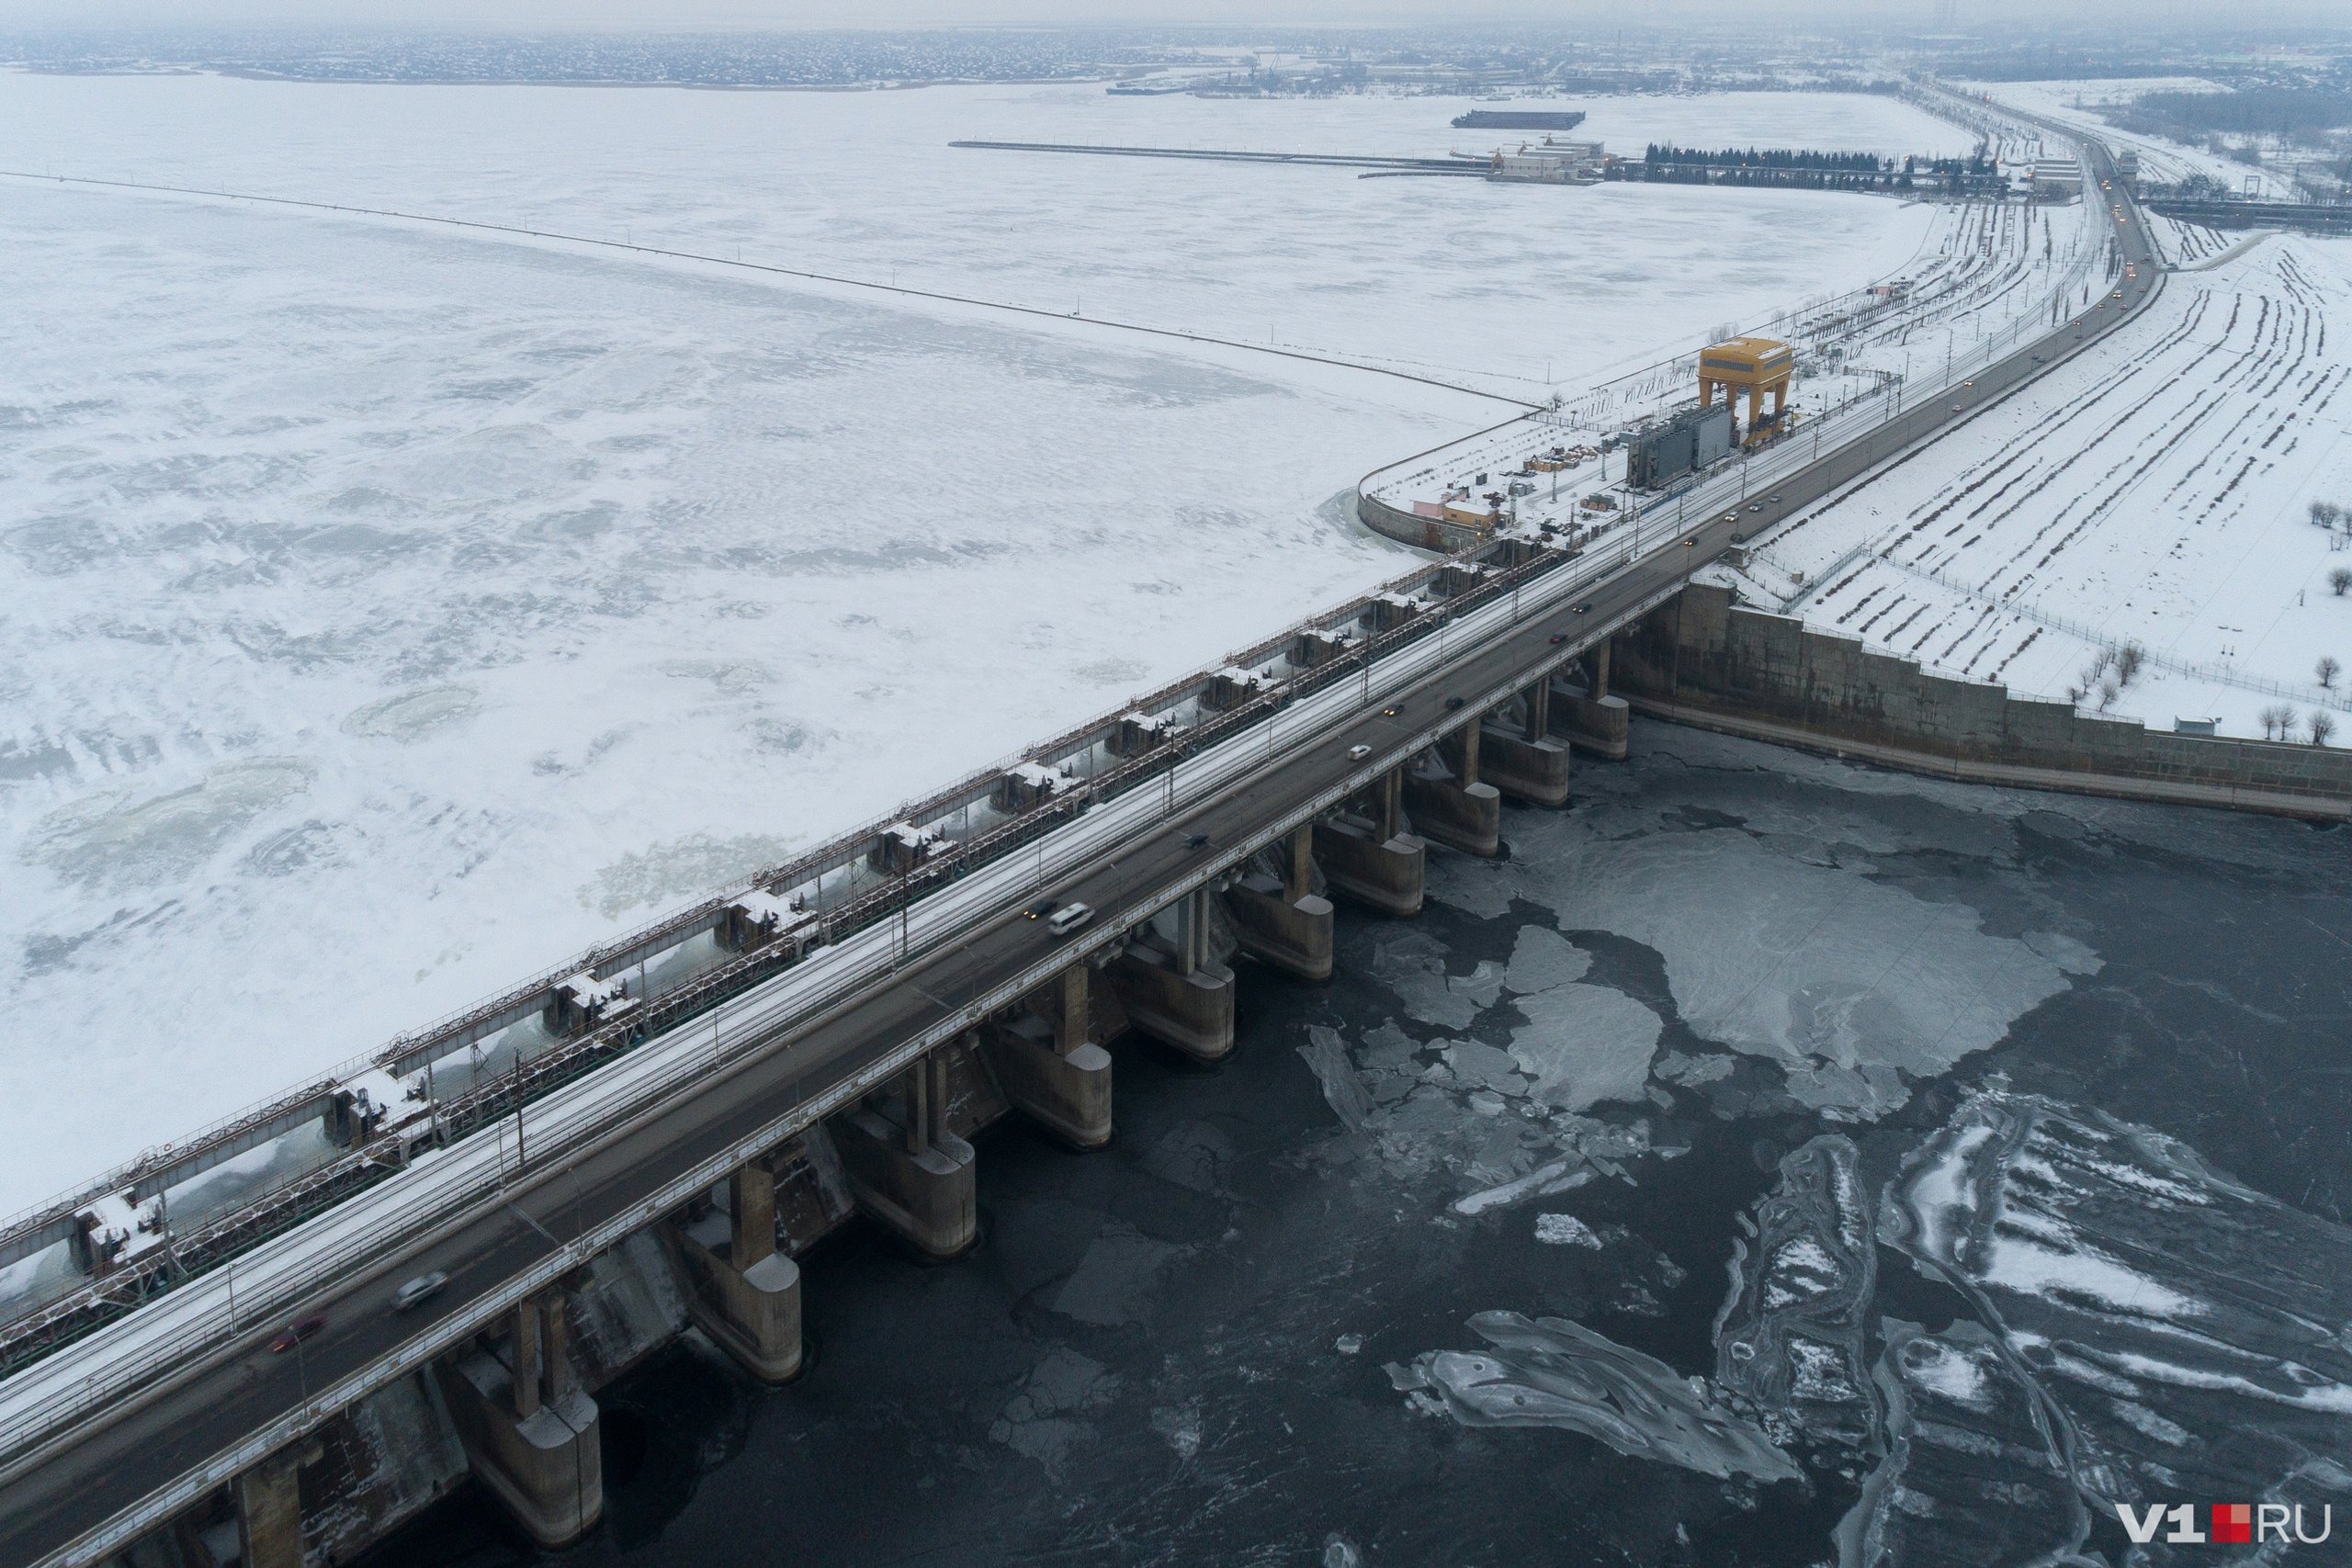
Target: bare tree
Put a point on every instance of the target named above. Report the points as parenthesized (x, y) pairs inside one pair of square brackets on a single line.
[(2319, 514), (2328, 670), (2127, 659), (2323, 726), (2277, 720), (2340, 579)]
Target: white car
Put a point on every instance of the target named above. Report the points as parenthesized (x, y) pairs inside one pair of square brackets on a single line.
[(418, 1290), (1067, 918), (1357, 754)]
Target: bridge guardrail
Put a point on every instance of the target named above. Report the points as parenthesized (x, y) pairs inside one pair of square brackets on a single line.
[(683, 1065)]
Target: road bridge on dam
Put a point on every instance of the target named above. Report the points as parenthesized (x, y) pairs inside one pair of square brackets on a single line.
[(838, 1013)]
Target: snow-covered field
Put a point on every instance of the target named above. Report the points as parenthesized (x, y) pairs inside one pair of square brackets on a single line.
[(2155, 494), (397, 609), (2161, 161)]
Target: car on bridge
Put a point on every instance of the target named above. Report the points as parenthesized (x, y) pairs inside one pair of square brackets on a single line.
[(296, 1333), (420, 1288), (1068, 917)]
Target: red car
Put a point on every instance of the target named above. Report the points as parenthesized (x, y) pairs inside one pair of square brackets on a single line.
[(296, 1334)]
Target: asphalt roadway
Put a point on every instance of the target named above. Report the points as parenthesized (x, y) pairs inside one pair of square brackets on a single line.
[(52, 1502)]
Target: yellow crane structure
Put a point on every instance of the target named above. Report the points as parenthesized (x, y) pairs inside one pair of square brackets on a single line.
[(1753, 365)]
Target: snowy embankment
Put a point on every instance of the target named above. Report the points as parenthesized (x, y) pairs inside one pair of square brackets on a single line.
[(2152, 496), (401, 609), (2161, 161)]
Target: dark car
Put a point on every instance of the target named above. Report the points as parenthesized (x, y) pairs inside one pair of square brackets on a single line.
[(1194, 840), (1559, 637), (1585, 608), (1388, 713), (296, 1333), (1038, 911), (1453, 703)]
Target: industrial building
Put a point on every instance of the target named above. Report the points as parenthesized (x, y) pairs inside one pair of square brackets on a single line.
[(2055, 177), (1554, 161), (1688, 440)]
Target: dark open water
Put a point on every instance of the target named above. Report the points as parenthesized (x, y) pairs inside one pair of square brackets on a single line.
[(1144, 1362)]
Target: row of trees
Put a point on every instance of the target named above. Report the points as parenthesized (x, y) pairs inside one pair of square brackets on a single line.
[(2297, 114), (2279, 724), (1766, 158), (1975, 163)]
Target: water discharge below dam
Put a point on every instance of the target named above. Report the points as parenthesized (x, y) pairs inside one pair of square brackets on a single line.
[(1686, 1034)]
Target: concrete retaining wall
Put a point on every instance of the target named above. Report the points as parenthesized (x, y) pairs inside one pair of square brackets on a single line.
[(1409, 529), (1702, 659)]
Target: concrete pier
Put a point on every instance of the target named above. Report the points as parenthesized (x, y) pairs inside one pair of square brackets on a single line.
[(916, 1179), (1182, 998), (1449, 803), (1518, 753), (1282, 922), (747, 1300), (1370, 857), (1587, 716), (269, 1511), (1067, 1092), (529, 1431)]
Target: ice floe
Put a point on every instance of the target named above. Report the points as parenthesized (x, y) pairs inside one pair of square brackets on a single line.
[(1789, 1339), (1550, 1371)]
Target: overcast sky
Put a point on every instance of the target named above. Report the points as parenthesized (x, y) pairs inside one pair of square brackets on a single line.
[(2332, 17), (687, 15)]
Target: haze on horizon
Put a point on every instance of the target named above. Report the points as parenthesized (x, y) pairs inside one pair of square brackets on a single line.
[(696, 14)]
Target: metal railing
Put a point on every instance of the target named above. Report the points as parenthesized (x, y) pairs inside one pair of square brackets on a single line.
[(204, 1310), (238, 1294)]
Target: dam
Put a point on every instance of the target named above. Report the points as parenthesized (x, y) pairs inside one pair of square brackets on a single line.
[(650, 1134)]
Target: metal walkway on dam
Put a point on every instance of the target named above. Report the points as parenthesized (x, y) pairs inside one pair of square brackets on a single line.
[(823, 996)]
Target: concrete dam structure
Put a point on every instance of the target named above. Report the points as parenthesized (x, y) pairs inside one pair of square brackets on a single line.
[(650, 1136)]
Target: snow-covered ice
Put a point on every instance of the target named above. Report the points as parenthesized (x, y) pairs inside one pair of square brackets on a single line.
[(403, 608)]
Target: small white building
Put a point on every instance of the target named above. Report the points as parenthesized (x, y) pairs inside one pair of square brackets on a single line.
[(2055, 175), (1551, 162)]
